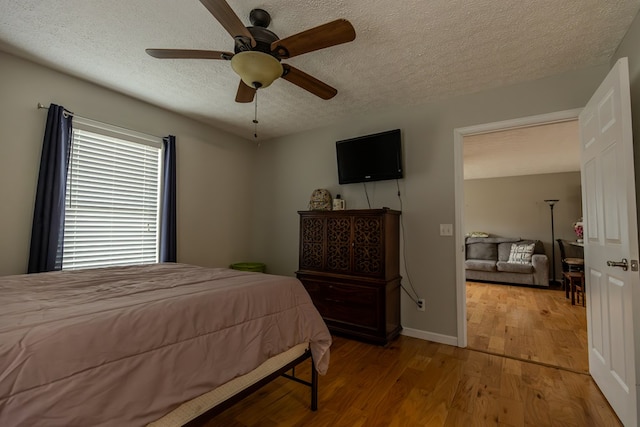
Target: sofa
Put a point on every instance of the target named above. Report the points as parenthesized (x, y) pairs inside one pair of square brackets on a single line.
[(506, 260)]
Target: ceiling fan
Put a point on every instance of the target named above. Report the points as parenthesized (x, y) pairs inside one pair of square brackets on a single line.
[(258, 51)]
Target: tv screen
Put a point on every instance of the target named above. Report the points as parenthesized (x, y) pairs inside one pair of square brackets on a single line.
[(370, 158)]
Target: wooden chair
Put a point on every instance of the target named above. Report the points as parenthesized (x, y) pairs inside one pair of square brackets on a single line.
[(578, 291), (574, 283), (572, 260), (571, 257)]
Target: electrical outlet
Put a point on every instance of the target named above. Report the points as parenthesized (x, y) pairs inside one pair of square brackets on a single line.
[(421, 304)]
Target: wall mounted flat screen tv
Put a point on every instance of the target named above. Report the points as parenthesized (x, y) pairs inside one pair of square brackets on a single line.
[(374, 157)]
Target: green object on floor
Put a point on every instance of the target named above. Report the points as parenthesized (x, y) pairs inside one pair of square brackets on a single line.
[(249, 266)]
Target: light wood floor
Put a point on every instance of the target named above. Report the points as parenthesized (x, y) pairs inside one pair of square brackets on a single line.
[(413, 382), (527, 323)]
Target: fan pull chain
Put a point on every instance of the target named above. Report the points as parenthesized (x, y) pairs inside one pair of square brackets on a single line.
[(255, 116)]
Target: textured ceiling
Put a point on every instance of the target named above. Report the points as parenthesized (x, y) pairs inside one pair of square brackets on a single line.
[(405, 53), (531, 150)]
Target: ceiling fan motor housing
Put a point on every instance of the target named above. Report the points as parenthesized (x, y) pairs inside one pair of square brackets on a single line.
[(263, 38), (257, 66)]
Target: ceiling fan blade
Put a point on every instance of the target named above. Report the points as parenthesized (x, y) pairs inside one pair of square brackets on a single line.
[(245, 93), (326, 35), (307, 82), (189, 54), (221, 10)]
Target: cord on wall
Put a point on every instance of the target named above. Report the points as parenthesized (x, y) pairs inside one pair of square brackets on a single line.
[(417, 300), (414, 297), (366, 194)]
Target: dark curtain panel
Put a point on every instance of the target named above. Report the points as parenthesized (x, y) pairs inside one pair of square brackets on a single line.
[(48, 216), (168, 245)]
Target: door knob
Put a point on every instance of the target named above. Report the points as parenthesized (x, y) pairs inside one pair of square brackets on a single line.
[(624, 264)]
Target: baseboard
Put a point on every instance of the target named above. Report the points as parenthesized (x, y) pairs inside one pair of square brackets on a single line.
[(429, 336)]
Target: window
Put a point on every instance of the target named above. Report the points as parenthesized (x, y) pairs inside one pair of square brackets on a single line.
[(112, 201)]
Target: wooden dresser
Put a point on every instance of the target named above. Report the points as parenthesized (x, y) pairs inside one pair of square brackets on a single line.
[(350, 265)]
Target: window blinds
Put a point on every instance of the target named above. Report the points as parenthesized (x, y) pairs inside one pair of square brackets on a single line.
[(112, 201)]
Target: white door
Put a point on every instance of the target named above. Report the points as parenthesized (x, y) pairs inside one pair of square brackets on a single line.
[(611, 234)]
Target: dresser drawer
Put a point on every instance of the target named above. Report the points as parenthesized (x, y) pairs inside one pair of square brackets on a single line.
[(357, 305)]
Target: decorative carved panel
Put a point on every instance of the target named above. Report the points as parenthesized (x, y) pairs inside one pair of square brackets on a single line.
[(338, 236), (367, 259), (339, 230), (312, 230), (311, 255), (312, 234), (368, 231), (338, 257), (367, 256)]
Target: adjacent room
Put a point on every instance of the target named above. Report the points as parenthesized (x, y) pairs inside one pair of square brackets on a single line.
[(255, 254), (526, 313)]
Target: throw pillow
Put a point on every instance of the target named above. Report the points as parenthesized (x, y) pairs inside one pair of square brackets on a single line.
[(521, 253)]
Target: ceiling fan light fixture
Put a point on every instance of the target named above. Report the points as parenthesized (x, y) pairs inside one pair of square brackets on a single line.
[(256, 69)]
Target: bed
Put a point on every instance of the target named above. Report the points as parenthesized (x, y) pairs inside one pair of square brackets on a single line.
[(158, 344)]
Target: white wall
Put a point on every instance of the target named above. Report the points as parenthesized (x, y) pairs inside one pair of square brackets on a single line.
[(214, 169), (629, 48), (514, 207), (291, 167)]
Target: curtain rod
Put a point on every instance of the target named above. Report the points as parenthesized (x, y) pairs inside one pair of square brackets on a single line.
[(68, 113)]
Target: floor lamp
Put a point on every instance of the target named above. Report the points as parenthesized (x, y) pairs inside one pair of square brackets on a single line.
[(551, 203)]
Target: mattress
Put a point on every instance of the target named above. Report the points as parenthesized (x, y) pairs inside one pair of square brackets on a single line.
[(126, 345)]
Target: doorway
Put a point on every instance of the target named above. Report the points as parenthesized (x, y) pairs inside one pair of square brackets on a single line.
[(459, 135), (509, 175)]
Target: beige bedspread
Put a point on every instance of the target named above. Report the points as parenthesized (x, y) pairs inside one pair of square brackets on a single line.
[(122, 346)]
